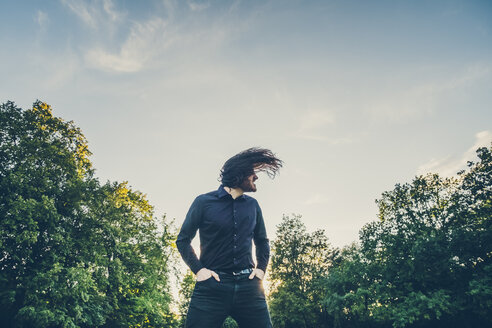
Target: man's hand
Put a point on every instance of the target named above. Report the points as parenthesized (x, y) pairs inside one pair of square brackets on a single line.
[(205, 273), (257, 272)]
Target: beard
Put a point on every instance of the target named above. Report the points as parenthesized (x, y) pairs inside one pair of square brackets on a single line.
[(248, 186)]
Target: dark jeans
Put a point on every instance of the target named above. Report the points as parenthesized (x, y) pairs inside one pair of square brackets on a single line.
[(238, 296)]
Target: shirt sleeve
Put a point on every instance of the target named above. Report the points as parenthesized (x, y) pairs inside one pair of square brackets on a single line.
[(186, 235), (262, 243)]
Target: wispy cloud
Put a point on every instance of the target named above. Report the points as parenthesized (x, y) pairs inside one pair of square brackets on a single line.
[(422, 99), (82, 10), (198, 6), (123, 62), (42, 19), (94, 14), (155, 41), (112, 13), (103, 17), (450, 165), (142, 43)]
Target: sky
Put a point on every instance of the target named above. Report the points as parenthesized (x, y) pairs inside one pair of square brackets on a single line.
[(353, 96)]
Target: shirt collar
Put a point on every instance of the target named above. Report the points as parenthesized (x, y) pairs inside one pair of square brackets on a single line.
[(223, 193)]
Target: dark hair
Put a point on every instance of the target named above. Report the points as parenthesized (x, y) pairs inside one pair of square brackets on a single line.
[(237, 168)]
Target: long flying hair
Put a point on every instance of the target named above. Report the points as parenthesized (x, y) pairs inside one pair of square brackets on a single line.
[(237, 168)]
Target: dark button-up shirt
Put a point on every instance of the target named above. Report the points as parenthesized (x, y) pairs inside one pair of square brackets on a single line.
[(227, 228)]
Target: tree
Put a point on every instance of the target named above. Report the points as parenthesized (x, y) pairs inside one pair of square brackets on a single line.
[(299, 262), (73, 252), (426, 261), (185, 292), (229, 323), (408, 252), (348, 291), (471, 241)]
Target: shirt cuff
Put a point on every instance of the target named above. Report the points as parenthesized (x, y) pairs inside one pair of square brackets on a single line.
[(197, 267), (262, 267)]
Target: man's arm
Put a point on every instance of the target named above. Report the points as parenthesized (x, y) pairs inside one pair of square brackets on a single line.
[(186, 235), (261, 241)]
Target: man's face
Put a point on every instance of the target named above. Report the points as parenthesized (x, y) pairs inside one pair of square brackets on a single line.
[(248, 185)]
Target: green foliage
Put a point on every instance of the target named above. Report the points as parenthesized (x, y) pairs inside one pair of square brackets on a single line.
[(299, 262), (426, 262), (229, 323), (185, 292), (348, 297), (73, 253), (78, 253)]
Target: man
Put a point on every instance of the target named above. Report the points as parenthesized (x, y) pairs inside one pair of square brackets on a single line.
[(227, 280)]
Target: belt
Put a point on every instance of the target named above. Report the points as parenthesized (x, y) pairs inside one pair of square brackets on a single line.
[(237, 273)]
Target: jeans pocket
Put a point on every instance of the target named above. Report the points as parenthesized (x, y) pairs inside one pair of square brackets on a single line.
[(202, 281)]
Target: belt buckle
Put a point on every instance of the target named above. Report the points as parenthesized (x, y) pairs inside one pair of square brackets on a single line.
[(244, 271)]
